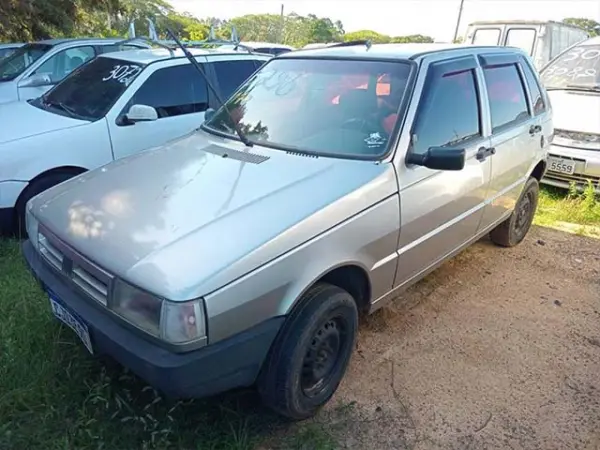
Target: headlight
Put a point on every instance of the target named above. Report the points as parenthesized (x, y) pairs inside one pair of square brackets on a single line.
[(31, 224), (173, 322)]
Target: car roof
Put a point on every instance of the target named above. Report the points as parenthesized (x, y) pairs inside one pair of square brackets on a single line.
[(388, 51), (591, 41), (151, 55), (266, 44), (77, 40)]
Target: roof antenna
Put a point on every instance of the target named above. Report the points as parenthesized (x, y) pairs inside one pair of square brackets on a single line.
[(209, 83), (368, 44), (131, 30), (152, 34)]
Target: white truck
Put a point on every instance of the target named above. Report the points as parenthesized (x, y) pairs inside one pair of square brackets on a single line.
[(542, 40)]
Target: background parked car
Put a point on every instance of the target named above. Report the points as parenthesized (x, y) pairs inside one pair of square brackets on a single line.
[(35, 67), (8, 49), (264, 47), (573, 84), (118, 104), (542, 40)]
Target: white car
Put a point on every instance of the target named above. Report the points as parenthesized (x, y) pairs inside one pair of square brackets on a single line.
[(113, 106), (8, 49), (32, 69)]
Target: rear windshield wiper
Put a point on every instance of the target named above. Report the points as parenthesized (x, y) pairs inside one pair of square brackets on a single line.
[(195, 63)]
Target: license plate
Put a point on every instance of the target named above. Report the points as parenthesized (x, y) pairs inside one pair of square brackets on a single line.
[(71, 320), (561, 165)]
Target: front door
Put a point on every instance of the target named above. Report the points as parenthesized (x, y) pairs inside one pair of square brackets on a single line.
[(516, 131), (180, 96), (441, 210)]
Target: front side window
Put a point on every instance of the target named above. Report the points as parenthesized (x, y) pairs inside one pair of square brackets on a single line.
[(508, 102), (523, 38), (15, 64), (578, 67), (173, 91), (90, 91), (231, 74), (439, 123), (320, 106), (63, 63), (486, 36)]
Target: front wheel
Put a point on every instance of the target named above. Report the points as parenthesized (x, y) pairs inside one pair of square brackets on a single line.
[(514, 229), (311, 354)]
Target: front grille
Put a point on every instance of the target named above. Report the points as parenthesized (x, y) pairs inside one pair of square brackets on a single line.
[(87, 276), (575, 178)]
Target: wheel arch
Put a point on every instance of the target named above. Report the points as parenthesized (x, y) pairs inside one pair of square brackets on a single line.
[(539, 170), (74, 170)]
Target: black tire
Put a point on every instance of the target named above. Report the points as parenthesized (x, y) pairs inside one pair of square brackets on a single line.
[(514, 229), (293, 382), (34, 188)]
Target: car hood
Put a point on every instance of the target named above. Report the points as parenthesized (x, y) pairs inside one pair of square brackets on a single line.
[(576, 111), (171, 218), (26, 121)]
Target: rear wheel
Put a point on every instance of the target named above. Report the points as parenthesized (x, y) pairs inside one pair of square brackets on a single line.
[(514, 229), (311, 354), (36, 187)]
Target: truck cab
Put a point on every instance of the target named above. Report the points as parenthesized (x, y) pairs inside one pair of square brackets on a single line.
[(542, 40)]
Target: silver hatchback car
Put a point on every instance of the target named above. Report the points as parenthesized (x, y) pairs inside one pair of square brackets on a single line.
[(331, 180)]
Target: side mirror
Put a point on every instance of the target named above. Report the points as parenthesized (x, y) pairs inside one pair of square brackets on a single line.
[(439, 158), (140, 113), (209, 114), (37, 80)]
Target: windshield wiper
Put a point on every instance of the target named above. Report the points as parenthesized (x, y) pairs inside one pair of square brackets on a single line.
[(60, 105), (584, 87), (195, 63)]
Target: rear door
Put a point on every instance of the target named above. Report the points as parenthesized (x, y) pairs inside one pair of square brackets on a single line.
[(441, 210), (516, 123), (180, 96)]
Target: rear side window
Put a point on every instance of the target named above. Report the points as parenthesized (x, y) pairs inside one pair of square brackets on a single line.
[(437, 123), (173, 91), (487, 36), (231, 74), (537, 99), (508, 103)]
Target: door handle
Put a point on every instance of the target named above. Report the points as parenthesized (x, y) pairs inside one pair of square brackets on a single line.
[(484, 152), (535, 129)]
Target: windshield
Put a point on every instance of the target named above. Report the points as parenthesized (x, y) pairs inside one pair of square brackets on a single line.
[(23, 57), (579, 66), (91, 90), (343, 108)]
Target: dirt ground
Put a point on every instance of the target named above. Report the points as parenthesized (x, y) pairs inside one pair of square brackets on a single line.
[(498, 349)]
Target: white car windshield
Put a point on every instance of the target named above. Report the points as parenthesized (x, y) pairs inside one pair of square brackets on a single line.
[(578, 67), (342, 108), (16, 63), (90, 91)]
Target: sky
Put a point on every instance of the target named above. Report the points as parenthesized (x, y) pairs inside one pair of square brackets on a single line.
[(436, 18)]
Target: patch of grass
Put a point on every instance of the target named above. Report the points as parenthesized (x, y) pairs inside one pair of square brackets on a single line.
[(311, 437), (54, 395), (571, 210)]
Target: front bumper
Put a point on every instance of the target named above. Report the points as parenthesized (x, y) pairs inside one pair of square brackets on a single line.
[(587, 167), (228, 364)]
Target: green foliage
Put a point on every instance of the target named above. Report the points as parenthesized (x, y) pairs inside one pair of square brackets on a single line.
[(589, 25), (377, 38)]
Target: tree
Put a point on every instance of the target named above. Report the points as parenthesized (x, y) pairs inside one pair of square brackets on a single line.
[(589, 25)]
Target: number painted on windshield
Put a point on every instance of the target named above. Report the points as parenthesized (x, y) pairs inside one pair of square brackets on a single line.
[(582, 53), (123, 73)]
